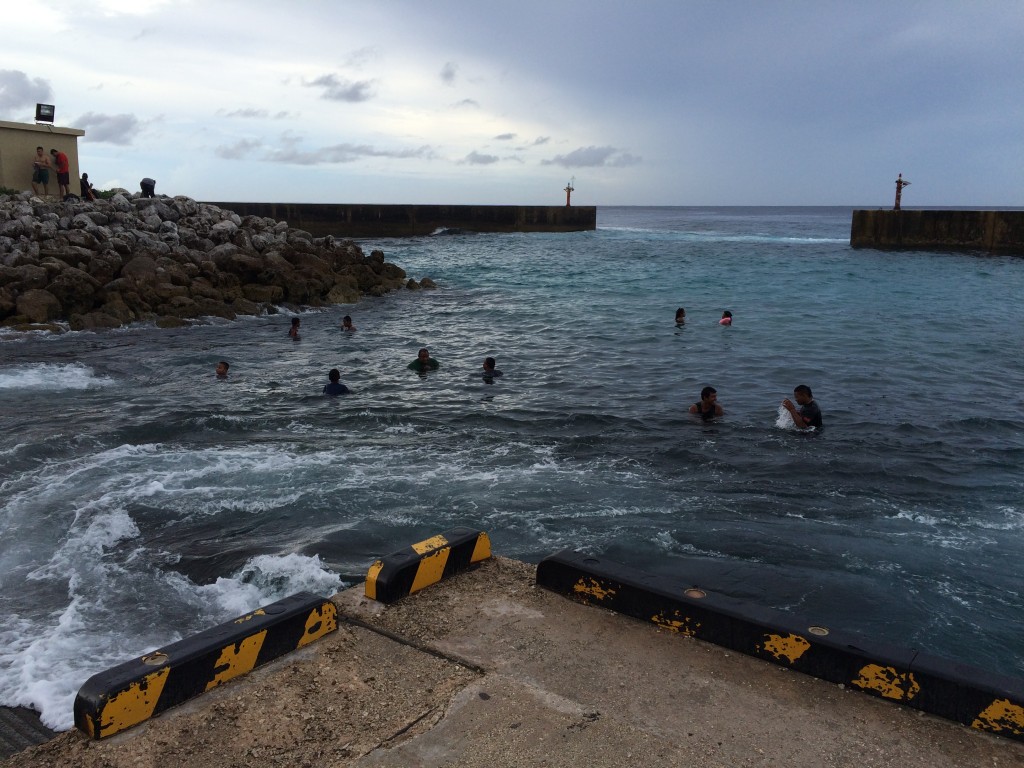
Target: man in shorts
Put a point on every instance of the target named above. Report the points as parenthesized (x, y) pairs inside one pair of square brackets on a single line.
[(40, 172), (63, 172)]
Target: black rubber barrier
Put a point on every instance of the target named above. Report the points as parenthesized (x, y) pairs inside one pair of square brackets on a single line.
[(959, 692), (399, 574), (135, 691)]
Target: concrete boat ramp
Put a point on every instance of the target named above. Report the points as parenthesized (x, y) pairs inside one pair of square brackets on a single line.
[(489, 669)]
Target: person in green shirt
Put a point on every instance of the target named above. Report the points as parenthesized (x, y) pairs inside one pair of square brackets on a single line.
[(424, 362)]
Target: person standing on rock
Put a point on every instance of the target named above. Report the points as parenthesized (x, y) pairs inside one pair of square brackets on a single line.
[(41, 172), (148, 187), (63, 172)]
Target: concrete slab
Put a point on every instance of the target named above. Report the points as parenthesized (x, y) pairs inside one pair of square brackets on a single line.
[(489, 670)]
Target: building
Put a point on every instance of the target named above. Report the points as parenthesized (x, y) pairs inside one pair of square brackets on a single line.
[(18, 142)]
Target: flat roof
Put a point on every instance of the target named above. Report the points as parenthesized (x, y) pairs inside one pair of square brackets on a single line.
[(42, 128)]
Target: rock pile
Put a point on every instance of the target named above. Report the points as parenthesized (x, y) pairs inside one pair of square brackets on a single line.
[(107, 263)]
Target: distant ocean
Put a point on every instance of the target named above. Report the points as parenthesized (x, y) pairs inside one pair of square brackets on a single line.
[(144, 500)]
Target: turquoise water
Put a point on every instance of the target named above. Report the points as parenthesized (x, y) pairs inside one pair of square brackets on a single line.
[(144, 500)]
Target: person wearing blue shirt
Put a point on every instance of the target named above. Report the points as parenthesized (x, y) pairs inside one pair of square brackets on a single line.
[(335, 387)]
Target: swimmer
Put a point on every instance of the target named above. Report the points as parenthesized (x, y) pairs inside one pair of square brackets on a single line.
[(423, 362), (489, 372), (294, 330), (222, 369), (708, 407), (335, 387), (346, 323), (680, 316), (726, 318), (809, 414)]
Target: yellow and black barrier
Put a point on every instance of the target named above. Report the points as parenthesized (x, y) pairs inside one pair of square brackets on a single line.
[(135, 691), (932, 684), (399, 574)]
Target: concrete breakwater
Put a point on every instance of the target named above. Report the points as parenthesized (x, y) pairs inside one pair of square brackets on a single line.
[(418, 220), (992, 231), (111, 262)]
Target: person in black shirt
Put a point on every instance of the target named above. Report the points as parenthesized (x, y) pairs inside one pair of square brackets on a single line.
[(808, 414), (708, 407)]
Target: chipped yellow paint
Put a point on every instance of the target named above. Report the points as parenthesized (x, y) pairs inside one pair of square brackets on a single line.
[(790, 647), (134, 704), (593, 588), (429, 545), (250, 616), (430, 570), (482, 548), (1001, 715), (237, 659), (371, 579), (888, 682), (684, 625), (321, 621)]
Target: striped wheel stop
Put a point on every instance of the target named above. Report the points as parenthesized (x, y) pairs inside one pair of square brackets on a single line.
[(135, 691), (959, 692), (427, 562)]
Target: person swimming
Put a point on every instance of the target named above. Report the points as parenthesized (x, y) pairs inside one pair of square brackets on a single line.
[(680, 316), (423, 362), (726, 318), (708, 407), (346, 323), (294, 330), (335, 387), (488, 371)]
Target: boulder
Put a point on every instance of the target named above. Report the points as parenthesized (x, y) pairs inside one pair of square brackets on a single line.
[(38, 306)]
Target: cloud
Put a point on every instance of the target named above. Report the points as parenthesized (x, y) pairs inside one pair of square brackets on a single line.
[(593, 157), (541, 140), (17, 90), (241, 150), (475, 158), (112, 129), (344, 153), (448, 73), (339, 89), (468, 103), (249, 112), (504, 137)]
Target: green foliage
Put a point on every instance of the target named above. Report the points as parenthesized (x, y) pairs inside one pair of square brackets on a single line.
[(8, 191), (104, 194)]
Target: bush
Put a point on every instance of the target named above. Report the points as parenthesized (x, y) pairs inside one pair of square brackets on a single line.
[(9, 191)]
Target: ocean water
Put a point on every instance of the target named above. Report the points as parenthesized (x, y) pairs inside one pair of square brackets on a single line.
[(143, 500)]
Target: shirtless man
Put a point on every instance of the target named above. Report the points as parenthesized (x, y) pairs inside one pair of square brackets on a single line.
[(41, 172)]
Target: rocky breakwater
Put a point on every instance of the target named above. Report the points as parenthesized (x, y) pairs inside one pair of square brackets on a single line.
[(103, 264)]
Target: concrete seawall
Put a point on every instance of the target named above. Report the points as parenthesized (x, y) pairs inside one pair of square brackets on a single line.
[(417, 220), (992, 231)]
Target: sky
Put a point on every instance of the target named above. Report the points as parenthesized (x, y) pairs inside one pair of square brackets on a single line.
[(651, 102)]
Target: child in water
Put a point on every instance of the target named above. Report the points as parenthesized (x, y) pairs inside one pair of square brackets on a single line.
[(726, 318)]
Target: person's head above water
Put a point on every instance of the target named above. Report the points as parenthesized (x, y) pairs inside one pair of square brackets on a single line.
[(295, 322), (489, 363), (222, 368), (346, 322), (709, 393), (802, 394), (334, 375), (423, 354), (680, 314)]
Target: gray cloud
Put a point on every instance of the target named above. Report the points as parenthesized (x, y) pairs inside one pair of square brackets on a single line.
[(339, 89), (593, 157), (475, 158), (17, 90), (448, 72), (241, 150), (344, 153), (541, 140), (504, 137), (249, 112), (468, 103), (111, 129)]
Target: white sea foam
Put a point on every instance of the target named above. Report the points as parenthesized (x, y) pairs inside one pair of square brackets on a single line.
[(51, 377)]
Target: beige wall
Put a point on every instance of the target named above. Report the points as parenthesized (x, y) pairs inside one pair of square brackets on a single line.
[(18, 142)]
